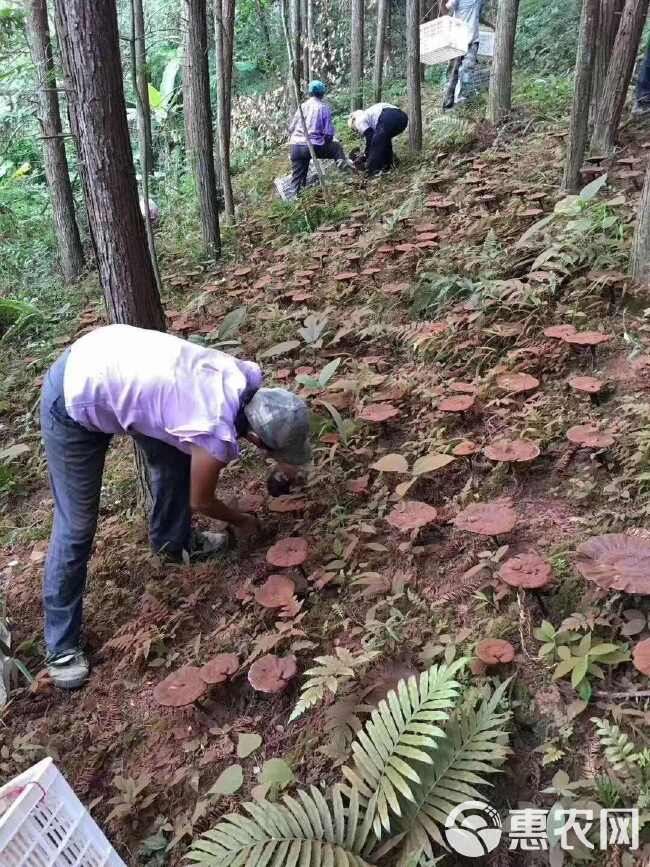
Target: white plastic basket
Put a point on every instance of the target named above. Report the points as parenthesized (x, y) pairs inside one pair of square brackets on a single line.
[(445, 38), (47, 826)]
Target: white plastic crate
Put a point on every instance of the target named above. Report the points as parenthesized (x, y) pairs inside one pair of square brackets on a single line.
[(445, 38), (47, 826)]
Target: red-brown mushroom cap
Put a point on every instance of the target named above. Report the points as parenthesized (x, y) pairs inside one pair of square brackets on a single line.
[(458, 403), (272, 673), (587, 338), (276, 592), (493, 651), (219, 668), (616, 561), (286, 504), (641, 656), (463, 387), (345, 276), (465, 449), (378, 412), (181, 687), (588, 435), (560, 332), (411, 515), (517, 382), (486, 519), (588, 384), (288, 552), (526, 570), (509, 451)]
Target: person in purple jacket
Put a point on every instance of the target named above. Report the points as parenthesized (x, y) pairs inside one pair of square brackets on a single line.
[(186, 406), (320, 129)]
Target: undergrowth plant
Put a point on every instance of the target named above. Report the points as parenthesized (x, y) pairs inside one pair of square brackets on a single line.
[(427, 747), (629, 762)]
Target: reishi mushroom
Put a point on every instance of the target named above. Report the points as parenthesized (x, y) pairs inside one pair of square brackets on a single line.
[(272, 673), (517, 383), (529, 571), (412, 515), (641, 656), (589, 436), (493, 651), (180, 688), (457, 403), (465, 449), (616, 561), (486, 519), (378, 412), (559, 332), (276, 592), (288, 552), (219, 668), (512, 451)]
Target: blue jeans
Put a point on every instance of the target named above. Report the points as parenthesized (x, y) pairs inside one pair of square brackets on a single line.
[(75, 458), (643, 84)]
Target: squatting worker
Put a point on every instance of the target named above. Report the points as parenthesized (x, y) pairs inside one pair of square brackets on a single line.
[(379, 124), (186, 406), (320, 129)]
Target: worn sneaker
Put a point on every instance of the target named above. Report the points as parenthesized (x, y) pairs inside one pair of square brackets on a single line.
[(68, 669)]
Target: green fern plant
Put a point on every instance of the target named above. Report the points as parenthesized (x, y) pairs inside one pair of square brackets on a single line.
[(329, 674), (307, 830), (402, 731), (620, 751), (448, 132)]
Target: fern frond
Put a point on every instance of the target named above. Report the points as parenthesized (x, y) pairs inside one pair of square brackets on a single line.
[(329, 674), (472, 751), (400, 734), (620, 751), (306, 831)]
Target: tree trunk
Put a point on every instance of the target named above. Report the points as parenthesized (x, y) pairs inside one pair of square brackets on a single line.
[(198, 122), (414, 95), (143, 111), (141, 85), (619, 73), (261, 15), (224, 31), (308, 19), (609, 18), (90, 45), (380, 42), (54, 156), (500, 94), (296, 43), (356, 54), (578, 127), (640, 260)]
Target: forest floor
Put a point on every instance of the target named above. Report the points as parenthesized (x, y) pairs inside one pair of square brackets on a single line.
[(451, 300)]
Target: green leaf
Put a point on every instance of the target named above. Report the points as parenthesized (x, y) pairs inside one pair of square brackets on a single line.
[(280, 349), (247, 744), (276, 772), (167, 85), (592, 189), (232, 322), (431, 462), (229, 781), (564, 652), (155, 97), (328, 372), (564, 667), (602, 649), (579, 671)]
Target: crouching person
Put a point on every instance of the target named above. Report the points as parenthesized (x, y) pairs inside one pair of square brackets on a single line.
[(378, 125)]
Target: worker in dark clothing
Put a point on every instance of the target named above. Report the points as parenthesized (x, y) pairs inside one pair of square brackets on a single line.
[(642, 100), (379, 124)]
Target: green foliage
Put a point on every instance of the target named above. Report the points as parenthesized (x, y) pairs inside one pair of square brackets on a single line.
[(449, 132), (548, 97), (308, 212), (17, 317), (436, 291), (547, 35), (322, 379), (328, 675)]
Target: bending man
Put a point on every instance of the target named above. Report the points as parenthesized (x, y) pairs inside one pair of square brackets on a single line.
[(379, 124), (186, 407)]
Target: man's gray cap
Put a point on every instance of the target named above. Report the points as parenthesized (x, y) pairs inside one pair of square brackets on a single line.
[(281, 420)]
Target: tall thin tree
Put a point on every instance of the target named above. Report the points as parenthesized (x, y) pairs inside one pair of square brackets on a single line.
[(578, 127), (198, 122), (619, 74), (640, 260), (90, 46), (55, 160), (414, 94), (308, 48), (500, 93), (356, 54), (609, 18), (224, 33), (295, 18), (380, 45)]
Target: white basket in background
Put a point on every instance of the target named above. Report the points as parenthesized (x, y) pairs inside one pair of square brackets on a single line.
[(45, 824), (447, 37)]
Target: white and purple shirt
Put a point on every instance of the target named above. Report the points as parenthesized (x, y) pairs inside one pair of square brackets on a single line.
[(121, 379), (318, 119)]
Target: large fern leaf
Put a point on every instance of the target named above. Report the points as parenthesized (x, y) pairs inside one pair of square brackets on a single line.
[(400, 735), (306, 831), (473, 750)]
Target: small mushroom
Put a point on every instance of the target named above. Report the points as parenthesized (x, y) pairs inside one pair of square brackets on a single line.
[(378, 412), (616, 561), (276, 592), (587, 384), (458, 403), (272, 673), (288, 552), (345, 276), (592, 339), (641, 656), (463, 387), (412, 515), (512, 451), (517, 383), (181, 687), (493, 651), (589, 436), (465, 449), (529, 571), (486, 519), (219, 668), (559, 332)]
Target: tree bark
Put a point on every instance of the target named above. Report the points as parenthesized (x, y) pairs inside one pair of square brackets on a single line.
[(308, 20), (356, 54), (578, 127), (55, 161), (500, 94), (640, 259), (619, 73), (414, 94), (296, 43), (198, 122), (266, 33), (380, 42), (90, 45), (609, 18), (224, 31)]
